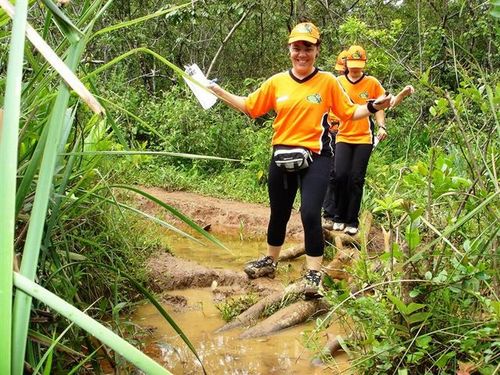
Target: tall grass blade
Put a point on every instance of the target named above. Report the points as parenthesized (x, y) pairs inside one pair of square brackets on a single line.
[(157, 56), (159, 153), (54, 60), (452, 228), (146, 294), (135, 21), (8, 162), (47, 341), (62, 20), (22, 302), (122, 347), (176, 213), (34, 162)]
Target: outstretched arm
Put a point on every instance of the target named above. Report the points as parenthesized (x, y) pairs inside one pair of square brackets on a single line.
[(407, 91), (363, 111), (235, 101)]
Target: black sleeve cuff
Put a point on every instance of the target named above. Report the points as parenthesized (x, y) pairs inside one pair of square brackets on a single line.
[(371, 108)]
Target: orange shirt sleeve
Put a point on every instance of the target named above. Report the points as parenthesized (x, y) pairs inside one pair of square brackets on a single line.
[(261, 100)]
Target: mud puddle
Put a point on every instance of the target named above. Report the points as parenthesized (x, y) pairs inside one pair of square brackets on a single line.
[(224, 353)]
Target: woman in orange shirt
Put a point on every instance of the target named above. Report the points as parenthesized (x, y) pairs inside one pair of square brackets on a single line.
[(302, 98), (355, 139), (329, 203)]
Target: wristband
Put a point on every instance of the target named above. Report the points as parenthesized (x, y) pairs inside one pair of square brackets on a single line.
[(371, 108), (382, 127)]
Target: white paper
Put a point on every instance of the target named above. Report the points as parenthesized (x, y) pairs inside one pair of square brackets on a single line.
[(376, 140), (205, 98)]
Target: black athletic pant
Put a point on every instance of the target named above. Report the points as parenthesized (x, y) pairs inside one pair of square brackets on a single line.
[(351, 161), (330, 204), (282, 188)]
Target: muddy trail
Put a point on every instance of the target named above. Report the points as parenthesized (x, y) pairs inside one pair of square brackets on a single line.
[(279, 306)]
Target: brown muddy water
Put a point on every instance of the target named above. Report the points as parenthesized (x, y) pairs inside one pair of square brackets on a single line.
[(224, 353)]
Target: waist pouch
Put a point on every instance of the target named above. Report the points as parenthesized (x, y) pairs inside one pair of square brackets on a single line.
[(292, 158)]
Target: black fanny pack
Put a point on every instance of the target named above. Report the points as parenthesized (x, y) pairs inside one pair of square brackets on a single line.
[(292, 158)]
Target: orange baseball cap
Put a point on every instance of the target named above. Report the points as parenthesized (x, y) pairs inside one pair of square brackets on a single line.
[(340, 63), (305, 31), (356, 57)]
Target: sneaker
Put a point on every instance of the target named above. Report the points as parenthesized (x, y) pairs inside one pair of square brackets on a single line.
[(338, 226), (327, 223), (261, 267), (351, 230), (312, 281)]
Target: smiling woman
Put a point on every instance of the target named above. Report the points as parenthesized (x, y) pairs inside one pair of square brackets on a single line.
[(301, 98)]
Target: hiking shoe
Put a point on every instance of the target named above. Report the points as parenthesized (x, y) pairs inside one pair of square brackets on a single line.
[(351, 230), (338, 226), (261, 267), (327, 223), (312, 281)]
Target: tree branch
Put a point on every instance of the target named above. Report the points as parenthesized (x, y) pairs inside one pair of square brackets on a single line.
[(231, 32)]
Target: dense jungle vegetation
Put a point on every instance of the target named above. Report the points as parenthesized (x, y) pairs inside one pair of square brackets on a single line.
[(433, 308)]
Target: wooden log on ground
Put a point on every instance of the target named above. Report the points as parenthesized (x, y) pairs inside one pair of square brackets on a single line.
[(336, 269), (254, 312), (332, 344), (332, 235), (289, 316), (366, 225), (292, 253), (331, 348)]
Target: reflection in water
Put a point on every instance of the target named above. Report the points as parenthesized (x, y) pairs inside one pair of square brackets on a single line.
[(224, 353)]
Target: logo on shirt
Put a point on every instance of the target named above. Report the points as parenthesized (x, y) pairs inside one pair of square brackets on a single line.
[(315, 98), (363, 95)]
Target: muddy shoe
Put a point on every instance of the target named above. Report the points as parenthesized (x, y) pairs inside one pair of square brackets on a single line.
[(264, 267), (312, 281)]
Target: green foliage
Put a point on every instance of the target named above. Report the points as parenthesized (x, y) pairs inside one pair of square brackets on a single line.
[(434, 184), (432, 304), (232, 307)]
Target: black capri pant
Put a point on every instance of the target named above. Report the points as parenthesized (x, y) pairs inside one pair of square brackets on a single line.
[(283, 187)]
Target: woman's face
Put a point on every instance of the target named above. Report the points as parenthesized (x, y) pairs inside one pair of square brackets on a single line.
[(355, 72), (303, 56)]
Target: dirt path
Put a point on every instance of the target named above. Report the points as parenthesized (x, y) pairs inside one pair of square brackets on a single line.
[(222, 215)]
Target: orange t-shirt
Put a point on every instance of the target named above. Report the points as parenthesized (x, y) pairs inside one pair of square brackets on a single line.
[(301, 108), (333, 121), (359, 131)]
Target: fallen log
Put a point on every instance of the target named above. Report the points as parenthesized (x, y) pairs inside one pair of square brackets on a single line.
[(346, 239), (252, 314), (332, 346), (334, 236), (292, 253), (336, 269), (289, 316), (167, 272), (366, 220)]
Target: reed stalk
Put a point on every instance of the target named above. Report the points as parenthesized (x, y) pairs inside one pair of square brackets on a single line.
[(8, 161), (122, 347), (22, 302)]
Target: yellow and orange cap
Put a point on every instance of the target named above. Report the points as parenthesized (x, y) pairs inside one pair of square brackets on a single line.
[(340, 63), (356, 57), (305, 31)]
